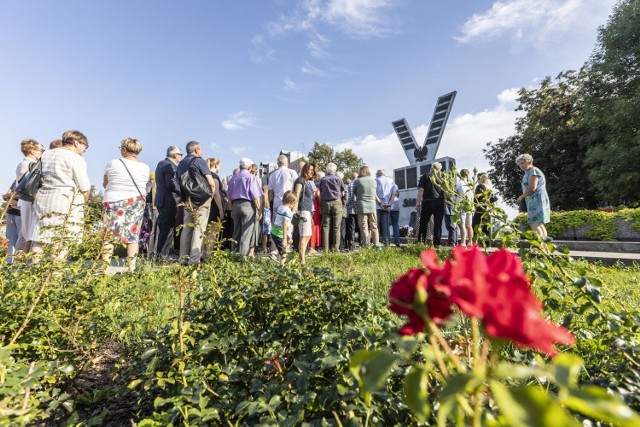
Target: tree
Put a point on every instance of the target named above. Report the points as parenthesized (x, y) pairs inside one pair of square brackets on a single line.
[(551, 131), (346, 160), (612, 106)]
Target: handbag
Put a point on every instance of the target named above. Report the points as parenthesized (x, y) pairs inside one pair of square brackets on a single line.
[(148, 207), (297, 218), (522, 206), (195, 186), (30, 183)]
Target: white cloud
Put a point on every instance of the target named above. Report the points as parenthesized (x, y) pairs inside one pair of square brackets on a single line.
[(238, 151), (239, 121), (359, 18), (536, 21), (290, 85), (261, 51)]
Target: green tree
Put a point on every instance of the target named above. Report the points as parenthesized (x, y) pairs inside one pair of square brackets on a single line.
[(346, 160), (551, 131), (612, 106)]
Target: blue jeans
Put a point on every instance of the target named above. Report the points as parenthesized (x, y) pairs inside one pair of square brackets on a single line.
[(394, 216), (383, 226), (14, 223)]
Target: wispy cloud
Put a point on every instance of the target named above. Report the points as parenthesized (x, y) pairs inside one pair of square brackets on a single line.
[(290, 85), (534, 21), (239, 121), (238, 151), (261, 51), (359, 18)]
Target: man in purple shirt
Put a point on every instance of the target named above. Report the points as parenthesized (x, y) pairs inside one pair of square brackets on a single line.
[(244, 191)]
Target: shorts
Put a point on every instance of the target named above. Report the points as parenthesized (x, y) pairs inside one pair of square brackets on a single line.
[(305, 227), (266, 222), (466, 218), (278, 242)]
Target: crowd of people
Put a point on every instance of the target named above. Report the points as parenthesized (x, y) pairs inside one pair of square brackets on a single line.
[(299, 209)]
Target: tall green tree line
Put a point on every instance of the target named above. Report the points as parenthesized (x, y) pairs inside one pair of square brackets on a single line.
[(582, 128)]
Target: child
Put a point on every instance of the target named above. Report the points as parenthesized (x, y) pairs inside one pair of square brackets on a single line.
[(281, 229), (266, 219)]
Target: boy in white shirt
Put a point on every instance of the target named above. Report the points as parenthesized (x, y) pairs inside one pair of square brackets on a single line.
[(281, 230)]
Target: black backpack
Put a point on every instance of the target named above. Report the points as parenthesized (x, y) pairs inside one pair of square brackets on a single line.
[(194, 185)]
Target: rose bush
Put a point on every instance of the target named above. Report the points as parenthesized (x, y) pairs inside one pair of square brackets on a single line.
[(471, 382)]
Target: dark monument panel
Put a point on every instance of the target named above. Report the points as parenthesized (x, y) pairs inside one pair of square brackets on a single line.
[(412, 177), (399, 179)]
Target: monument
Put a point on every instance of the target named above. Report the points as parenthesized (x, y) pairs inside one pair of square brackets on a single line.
[(420, 157)]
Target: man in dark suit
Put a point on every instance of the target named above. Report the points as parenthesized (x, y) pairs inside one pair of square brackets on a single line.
[(167, 199)]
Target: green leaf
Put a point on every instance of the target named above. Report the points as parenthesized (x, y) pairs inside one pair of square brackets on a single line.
[(567, 367), (458, 384), (370, 368), (529, 406), (148, 353), (597, 403), (415, 392)]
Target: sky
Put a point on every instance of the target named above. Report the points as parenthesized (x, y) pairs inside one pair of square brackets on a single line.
[(248, 78)]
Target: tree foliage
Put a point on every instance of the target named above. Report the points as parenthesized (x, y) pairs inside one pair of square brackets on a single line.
[(346, 160), (583, 128), (551, 131), (612, 106)]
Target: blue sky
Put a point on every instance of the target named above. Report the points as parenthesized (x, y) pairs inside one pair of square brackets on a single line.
[(249, 78)]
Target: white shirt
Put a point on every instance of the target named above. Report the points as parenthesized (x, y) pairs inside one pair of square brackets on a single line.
[(384, 185), (120, 186), (280, 181)]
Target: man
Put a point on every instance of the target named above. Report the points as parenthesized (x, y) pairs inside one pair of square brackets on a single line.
[(331, 207), (352, 216), (384, 187), (430, 201), (195, 216), (244, 191), (280, 181), (166, 201)]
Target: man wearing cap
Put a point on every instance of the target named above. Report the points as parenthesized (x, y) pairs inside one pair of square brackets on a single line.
[(166, 201), (244, 191), (195, 217)]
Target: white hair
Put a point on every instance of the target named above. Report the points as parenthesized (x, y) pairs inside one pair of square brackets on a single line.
[(331, 168), (524, 157)]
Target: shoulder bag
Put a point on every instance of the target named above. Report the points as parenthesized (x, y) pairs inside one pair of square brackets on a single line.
[(148, 207), (194, 185), (30, 183)]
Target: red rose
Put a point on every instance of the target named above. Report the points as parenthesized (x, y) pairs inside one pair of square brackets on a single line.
[(134, 228), (494, 289), (120, 212), (512, 311), (469, 286)]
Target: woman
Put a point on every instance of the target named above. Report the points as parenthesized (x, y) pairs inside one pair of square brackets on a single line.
[(364, 189), (534, 193), (465, 195), (125, 180), (216, 213), (483, 200), (58, 207), (316, 227), (256, 237), (19, 214), (305, 189), (32, 151)]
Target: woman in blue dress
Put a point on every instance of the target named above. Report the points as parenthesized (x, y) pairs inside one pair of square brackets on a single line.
[(534, 192)]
